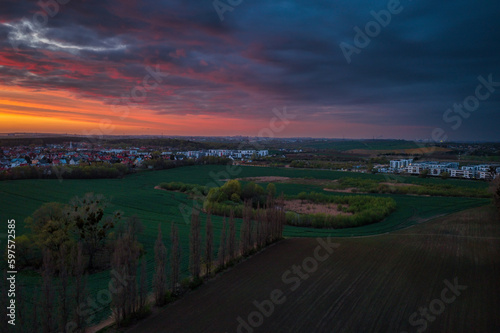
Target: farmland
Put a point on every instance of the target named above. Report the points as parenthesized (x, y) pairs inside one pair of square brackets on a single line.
[(135, 195), (345, 145), (368, 284)]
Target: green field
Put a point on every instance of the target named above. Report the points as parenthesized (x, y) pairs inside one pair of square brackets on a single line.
[(359, 144), (135, 195)]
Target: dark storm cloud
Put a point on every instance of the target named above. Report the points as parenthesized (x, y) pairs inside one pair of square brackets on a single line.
[(266, 54)]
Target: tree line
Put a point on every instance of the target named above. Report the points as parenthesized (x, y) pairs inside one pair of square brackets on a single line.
[(103, 170), (375, 186), (69, 242)]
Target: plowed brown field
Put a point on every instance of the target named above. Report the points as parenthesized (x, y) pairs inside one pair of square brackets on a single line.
[(448, 268)]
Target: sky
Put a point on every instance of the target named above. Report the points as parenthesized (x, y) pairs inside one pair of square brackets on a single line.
[(354, 69)]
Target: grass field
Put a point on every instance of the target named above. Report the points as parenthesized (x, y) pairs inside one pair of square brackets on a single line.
[(368, 284), (345, 145), (135, 195)]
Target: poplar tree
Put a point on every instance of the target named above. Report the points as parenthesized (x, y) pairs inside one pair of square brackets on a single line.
[(143, 286), (160, 277), (125, 263), (79, 287), (222, 254), (245, 233), (47, 297), (209, 245), (195, 246), (232, 237), (175, 254), (64, 306)]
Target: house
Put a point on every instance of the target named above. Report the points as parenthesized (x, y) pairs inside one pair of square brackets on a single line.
[(74, 161), (15, 162)]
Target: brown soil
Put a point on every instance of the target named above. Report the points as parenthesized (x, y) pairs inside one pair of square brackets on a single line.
[(398, 184), (305, 207), (288, 180), (371, 284), (264, 179), (346, 190)]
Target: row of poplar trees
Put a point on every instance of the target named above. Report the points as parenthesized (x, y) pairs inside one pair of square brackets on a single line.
[(63, 303), (260, 227)]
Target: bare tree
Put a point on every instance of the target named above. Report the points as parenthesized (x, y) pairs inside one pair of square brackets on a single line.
[(47, 293), (245, 233), (124, 263), (195, 245), (79, 287), (222, 254), (20, 308), (160, 277), (209, 245), (175, 258), (280, 207), (34, 315), (143, 286), (261, 231), (232, 237), (64, 300)]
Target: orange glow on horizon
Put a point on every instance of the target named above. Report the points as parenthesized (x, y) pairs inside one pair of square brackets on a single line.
[(23, 110), (63, 112)]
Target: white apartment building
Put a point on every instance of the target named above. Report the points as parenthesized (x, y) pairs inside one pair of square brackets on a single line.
[(400, 164)]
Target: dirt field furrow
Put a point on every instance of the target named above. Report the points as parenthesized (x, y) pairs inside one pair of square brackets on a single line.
[(375, 284)]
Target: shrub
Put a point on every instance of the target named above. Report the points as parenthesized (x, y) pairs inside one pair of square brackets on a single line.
[(235, 197), (365, 210)]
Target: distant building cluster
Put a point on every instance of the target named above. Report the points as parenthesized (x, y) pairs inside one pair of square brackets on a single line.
[(83, 154), (481, 171), (232, 154)]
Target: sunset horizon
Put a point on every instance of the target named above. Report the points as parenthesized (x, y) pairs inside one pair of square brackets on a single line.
[(215, 69)]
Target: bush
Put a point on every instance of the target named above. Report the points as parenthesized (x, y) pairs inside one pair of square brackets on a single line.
[(221, 200), (365, 210), (235, 197), (192, 189)]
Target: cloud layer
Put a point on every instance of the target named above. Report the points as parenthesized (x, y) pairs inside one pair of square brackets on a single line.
[(262, 55)]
